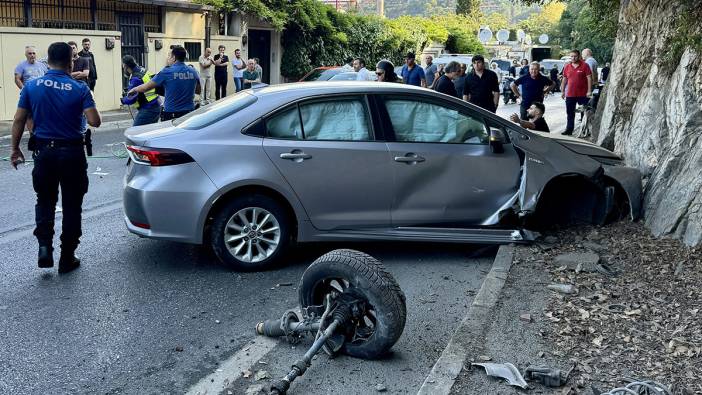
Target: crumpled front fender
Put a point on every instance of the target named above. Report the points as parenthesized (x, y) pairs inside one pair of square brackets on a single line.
[(629, 179)]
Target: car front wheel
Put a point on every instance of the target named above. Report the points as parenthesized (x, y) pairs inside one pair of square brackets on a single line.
[(250, 233)]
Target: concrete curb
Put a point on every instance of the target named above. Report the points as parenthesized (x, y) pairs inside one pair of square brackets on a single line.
[(110, 125), (470, 331)]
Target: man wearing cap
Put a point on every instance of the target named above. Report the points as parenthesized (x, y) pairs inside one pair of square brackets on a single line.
[(412, 74), (146, 103)]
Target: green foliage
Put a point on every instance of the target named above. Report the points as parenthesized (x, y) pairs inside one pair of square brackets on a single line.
[(468, 7), (687, 33), (588, 24)]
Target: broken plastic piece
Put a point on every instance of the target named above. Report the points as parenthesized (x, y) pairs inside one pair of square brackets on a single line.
[(547, 376), (506, 371)]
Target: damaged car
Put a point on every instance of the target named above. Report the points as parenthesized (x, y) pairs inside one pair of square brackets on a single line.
[(254, 173)]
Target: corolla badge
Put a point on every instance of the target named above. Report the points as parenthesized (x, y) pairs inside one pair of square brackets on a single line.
[(532, 159)]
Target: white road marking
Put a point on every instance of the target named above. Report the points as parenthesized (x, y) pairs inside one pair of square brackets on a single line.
[(231, 369)]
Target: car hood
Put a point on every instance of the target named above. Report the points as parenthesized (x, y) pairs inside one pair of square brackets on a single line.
[(139, 135), (579, 146)]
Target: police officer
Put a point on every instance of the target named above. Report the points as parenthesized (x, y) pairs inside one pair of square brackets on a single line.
[(56, 102), (180, 83), (146, 103)]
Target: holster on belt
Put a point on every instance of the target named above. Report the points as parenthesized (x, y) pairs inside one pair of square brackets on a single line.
[(32, 143), (88, 142)]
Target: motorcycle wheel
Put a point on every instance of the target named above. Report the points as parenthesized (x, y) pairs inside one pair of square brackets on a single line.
[(373, 334)]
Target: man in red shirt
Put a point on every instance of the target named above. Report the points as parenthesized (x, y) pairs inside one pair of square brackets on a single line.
[(576, 87)]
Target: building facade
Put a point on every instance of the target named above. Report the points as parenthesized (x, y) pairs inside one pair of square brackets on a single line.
[(144, 29)]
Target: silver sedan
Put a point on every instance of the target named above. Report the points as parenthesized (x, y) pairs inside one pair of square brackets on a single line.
[(258, 171)]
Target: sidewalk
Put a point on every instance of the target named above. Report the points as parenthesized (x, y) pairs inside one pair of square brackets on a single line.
[(640, 322), (111, 120)]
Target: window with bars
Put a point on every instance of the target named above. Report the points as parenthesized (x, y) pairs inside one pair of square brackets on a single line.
[(194, 50), (75, 14)]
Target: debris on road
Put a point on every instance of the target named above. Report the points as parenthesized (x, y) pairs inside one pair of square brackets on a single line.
[(381, 388), (284, 284), (525, 317), (246, 373), (485, 358), (179, 348), (506, 371), (579, 262), (568, 289), (639, 387), (548, 376), (261, 375)]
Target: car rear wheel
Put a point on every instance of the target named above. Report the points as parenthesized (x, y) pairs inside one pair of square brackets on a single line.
[(250, 233)]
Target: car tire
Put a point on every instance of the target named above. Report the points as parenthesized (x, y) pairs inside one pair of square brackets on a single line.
[(242, 240), (368, 277)]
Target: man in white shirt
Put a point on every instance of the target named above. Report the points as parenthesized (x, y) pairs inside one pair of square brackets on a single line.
[(587, 55), (206, 63), (359, 66), (239, 66)]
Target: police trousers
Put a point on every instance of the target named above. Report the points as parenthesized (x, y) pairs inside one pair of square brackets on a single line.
[(65, 167), (147, 115)]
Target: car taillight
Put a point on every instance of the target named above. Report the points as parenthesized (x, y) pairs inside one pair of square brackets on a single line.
[(158, 156)]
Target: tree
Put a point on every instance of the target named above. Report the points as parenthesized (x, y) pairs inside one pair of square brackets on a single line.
[(545, 20), (467, 7), (495, 21)]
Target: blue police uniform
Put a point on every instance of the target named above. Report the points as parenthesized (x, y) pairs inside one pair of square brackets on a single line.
[(179, 82), (56, 103)]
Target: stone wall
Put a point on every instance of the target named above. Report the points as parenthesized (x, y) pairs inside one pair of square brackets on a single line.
[(651, 113)]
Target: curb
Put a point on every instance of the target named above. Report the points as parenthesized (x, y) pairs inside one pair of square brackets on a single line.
[(447, 368), (110, 125)]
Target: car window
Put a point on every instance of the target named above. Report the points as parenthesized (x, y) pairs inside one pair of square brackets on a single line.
[(416, 121), (285, 125), (211, 113), (345, 119), (349, 76)]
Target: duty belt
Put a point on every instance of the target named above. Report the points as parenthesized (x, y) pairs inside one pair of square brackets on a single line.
[(58, 143)]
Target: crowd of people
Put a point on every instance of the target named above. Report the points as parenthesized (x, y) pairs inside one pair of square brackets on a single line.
[(481, 86)]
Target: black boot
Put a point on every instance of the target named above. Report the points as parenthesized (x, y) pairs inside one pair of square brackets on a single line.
[(68, 262), (46, 257)]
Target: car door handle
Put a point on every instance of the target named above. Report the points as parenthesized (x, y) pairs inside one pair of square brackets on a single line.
[(409, 159), (295, 155)]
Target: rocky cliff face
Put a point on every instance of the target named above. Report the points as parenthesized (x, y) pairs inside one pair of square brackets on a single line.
[(651, 113)]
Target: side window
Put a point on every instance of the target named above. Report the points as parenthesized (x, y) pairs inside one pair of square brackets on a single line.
[(345, 119), (285, 125), (415, 121)]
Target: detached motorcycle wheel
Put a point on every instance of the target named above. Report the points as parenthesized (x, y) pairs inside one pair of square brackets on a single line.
[(383, 320)]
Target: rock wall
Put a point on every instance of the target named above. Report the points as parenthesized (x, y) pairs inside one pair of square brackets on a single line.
[(651, 114)]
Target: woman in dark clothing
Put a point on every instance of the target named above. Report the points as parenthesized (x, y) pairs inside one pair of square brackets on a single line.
[(385, 71)]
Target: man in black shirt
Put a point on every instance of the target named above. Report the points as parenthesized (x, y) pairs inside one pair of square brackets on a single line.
[(85, 53), (445, 83), (482, 87), (221, 62), (536, 118), (460, 81)]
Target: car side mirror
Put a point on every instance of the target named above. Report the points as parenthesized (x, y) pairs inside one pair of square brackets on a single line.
[(497, 139)]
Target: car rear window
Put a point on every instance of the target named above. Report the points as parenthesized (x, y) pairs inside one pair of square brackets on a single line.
[(215, 112)]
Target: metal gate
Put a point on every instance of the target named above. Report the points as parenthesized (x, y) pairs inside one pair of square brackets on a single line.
[(132, 27)]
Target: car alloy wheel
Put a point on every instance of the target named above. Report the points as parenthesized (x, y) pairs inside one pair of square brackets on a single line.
[(252, 234)]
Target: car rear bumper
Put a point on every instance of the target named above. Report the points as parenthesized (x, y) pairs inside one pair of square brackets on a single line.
[(165, 202)]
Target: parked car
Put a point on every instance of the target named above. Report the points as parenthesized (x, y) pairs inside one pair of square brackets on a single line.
[(503, 64), (322, 73), (547, 64), (254, 173)]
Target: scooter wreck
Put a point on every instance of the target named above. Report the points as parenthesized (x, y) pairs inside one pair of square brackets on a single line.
[(349, 303)]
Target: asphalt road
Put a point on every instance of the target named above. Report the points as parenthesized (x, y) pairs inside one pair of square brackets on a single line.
[(116, 325)]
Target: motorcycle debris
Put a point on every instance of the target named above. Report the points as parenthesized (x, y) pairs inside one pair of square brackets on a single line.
[(506, 371)]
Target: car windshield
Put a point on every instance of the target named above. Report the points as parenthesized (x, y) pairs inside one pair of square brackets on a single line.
[(348, 76), (321, 74), (216, 111)]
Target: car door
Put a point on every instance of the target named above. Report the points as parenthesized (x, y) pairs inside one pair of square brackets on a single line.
[(327, 151), (445, 172)]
